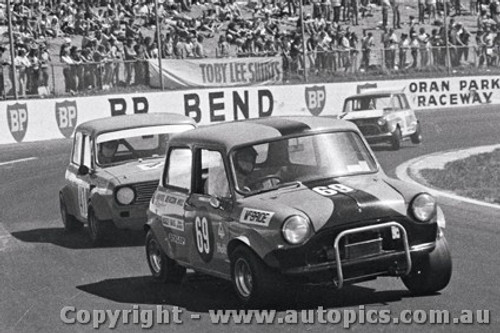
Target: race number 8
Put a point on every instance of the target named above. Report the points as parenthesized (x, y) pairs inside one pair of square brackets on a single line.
[(332, 189), (202, 235)]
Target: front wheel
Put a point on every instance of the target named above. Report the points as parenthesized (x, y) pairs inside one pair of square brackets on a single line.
[(162, 267), (253, 281), (433, 273), (416, 138), (396, 139), (97, 228), (69, 221)]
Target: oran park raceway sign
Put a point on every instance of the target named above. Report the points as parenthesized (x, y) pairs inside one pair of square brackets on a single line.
[(217, 73), (446, 92)]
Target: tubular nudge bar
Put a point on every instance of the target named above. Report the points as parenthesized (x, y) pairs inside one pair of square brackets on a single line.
[(340, 276)]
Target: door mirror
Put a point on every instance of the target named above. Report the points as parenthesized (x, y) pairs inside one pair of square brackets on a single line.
[(215, 202), (83, 170)]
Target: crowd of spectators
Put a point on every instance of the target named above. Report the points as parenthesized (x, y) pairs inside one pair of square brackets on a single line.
[(106, 43)]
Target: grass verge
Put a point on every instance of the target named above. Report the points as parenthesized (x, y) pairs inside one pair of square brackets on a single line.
[(476, 177)]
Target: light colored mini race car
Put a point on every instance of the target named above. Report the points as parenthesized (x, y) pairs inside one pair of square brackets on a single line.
[(272, 201), (114, 170), (383, 116)]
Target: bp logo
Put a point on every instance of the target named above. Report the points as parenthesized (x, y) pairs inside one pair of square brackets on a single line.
[(17, 116), (66, 116), (315, 99)]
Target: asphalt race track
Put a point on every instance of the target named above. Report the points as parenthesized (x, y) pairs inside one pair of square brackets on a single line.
[(43, 269)]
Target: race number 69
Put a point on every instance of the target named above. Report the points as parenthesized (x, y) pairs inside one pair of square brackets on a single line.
[(202, 235)]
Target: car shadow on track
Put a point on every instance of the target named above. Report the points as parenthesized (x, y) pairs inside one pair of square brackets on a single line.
[(200, 293), (80, 238)]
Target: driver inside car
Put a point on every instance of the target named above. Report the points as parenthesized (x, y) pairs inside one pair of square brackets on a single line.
[(107, 151), (248, 181)]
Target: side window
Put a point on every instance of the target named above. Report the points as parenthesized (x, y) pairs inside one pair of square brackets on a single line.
[(86, 151), (404, 102), (76, 158), (214, 177), (179, 168), (396, 102)]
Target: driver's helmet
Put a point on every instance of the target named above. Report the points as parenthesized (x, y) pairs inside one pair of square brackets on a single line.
[(245, 160), (108, 148)]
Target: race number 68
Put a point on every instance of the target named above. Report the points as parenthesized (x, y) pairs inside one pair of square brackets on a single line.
[(332, 189)]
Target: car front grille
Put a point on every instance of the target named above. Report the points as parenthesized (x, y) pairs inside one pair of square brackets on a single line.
[(369, 129), (144, 192)]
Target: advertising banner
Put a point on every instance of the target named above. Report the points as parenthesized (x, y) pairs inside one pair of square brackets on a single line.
[(217, 72), (45, 119)]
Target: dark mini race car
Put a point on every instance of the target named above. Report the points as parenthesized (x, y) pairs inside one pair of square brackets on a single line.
[(273, 201), (383, 116), (114, 169)]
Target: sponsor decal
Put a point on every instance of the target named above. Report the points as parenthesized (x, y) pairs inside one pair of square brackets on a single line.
[(150, 166), (17, 116), (66, 117), (204, 238), (332, 189), (256, 217), (118, 106), (315, 99), (176, 239), (220, 248), (221, 101), (173, 223), (220, 232), (443, 92)]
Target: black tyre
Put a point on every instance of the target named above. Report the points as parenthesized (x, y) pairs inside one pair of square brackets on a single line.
[(254, 282), (69, 221), (97, 228), (416, 138), (162, 267), (433, 273), (396, 139)]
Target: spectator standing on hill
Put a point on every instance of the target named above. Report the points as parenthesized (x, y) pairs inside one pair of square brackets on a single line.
[(414, 46), (437, 44), (354, 12), (67, 71), (396, 14), (33, 71), (404, 47), (22, 63), (421, 11), (336, 10), (432, 9), (385, 12), (423, 39), (198, 50), (367, 43), (130, 58)]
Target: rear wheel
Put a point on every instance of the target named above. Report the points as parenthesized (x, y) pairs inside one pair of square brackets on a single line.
[(433, 273), (396, 139), (416, 138), (69, 221), (162, 267)]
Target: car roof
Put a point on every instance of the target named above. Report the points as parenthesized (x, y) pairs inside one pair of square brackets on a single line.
[(375, 92), (108, 124), (231, 134)]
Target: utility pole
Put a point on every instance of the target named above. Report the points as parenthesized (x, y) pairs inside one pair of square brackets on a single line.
[(12, 52), (160, 51), (304, 57)]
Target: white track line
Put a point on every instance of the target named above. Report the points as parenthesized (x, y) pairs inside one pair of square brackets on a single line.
[(402, 173), (18, 161)]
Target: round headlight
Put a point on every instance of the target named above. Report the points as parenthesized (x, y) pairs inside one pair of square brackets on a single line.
[(296, 229), (423, 207), (125, 195), (381, 121)]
